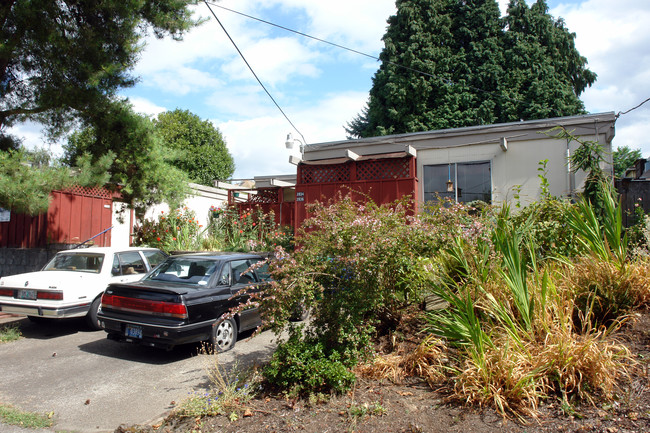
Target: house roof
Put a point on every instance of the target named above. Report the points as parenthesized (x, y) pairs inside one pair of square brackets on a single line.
[(583, 125)]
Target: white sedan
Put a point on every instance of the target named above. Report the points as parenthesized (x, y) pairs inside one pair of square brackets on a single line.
[(72, 283)]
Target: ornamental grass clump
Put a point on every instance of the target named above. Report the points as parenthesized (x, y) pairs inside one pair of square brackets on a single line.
[(514, 325)]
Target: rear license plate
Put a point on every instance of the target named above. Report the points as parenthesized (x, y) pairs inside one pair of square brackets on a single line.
[(133, 331), (26, 294)]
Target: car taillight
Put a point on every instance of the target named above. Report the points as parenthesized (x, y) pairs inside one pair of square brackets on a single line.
[(145, 306), (6, 292), (52, 296)]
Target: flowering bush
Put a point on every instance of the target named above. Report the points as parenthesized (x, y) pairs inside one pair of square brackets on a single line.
[(248, 230), (356, 269), (178, 230)]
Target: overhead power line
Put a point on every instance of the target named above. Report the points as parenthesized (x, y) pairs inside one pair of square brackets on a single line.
[(253, 72), (445, 81), (631, 109)]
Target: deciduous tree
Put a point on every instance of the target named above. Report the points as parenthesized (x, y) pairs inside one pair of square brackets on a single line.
[(200, 149)]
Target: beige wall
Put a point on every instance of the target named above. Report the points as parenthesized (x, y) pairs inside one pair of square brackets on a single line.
[(516, 166)]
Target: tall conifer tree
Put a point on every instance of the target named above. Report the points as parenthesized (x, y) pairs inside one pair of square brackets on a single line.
[(455, 63)]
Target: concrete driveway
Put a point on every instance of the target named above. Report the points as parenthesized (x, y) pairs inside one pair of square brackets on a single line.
[(94, 385)]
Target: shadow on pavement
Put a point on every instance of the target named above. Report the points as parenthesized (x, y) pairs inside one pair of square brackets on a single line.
[(152, 355), (46, 329)]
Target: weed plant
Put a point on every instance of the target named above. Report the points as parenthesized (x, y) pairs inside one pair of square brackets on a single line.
[(9, 333), (228, 393)]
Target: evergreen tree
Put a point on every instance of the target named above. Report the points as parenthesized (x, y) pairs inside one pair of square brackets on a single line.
[(61, 58), (455, 63), (545, 74), (142, 170)]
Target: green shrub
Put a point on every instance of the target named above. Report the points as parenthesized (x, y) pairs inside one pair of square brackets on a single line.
[(302, 366)]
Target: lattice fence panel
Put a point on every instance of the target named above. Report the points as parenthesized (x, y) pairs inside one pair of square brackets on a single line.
[(270, 195), (378, 169), (325, 173), (89, 192)]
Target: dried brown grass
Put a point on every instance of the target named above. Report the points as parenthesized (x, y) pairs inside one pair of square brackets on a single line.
[(425, 360)]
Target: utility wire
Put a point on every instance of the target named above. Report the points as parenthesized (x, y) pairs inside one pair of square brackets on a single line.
[(631, 109), (445, 81), (254, 74)]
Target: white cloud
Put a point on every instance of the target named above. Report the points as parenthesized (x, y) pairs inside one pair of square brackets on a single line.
[(182, 80), (257, 144), (146, 107), (274, 61)]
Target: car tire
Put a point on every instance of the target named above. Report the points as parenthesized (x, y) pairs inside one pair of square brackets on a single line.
[(224, 335), (91, 317)]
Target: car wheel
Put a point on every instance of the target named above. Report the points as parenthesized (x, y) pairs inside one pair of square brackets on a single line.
[(224, 335), (91, 317)]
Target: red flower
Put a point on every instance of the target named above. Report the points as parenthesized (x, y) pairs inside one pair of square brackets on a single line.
[(241, 231), (158, 239), (173, 239)]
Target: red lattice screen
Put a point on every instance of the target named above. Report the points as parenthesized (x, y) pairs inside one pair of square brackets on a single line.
[(90, 192), (325, 173), (379, 169), (264, 195)]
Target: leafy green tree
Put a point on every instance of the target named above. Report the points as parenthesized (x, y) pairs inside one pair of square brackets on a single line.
[(452, 63), (61, 58), (27, 178), (200, 148), (142, 170), (623, 158)]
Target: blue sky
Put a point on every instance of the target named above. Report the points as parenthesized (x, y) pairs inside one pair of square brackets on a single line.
[(321, 87)]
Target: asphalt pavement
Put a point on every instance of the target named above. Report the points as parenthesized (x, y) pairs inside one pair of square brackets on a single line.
[(94, 385)]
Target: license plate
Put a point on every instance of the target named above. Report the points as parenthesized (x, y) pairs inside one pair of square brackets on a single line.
[(26, 294), (133, 331)]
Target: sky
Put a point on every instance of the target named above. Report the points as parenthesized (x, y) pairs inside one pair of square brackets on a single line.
[(320, 87)]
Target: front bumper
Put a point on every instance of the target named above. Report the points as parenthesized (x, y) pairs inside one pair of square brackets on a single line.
[(155, 334), (46, 310)]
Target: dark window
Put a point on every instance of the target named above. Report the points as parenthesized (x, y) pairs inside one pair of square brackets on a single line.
[(154, 257), (463, 182)]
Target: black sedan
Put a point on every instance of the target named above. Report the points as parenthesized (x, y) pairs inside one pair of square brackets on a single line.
[(187, 298)]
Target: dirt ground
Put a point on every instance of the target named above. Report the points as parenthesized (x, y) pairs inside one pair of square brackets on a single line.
[(379, 406)]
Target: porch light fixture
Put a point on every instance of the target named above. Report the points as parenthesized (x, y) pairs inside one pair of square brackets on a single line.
[(450, 183), (450, 186), (291, 141)]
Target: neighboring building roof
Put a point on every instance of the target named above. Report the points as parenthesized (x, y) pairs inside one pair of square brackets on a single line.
[(588, 124)]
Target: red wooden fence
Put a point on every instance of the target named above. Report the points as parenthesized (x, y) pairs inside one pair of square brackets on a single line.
[(74, 215)]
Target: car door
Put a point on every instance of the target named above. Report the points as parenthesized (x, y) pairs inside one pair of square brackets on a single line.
[(243, 283), (128, 266)]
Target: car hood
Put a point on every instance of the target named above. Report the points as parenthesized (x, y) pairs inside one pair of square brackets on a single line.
[(47, 279)]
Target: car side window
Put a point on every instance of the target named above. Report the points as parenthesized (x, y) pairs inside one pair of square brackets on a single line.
[(131, 263), (224, 277), (263, 271), (239, 274), (154, 257)]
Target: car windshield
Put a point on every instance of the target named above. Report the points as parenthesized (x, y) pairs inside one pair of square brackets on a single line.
[(78, 262), (184, 270)]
